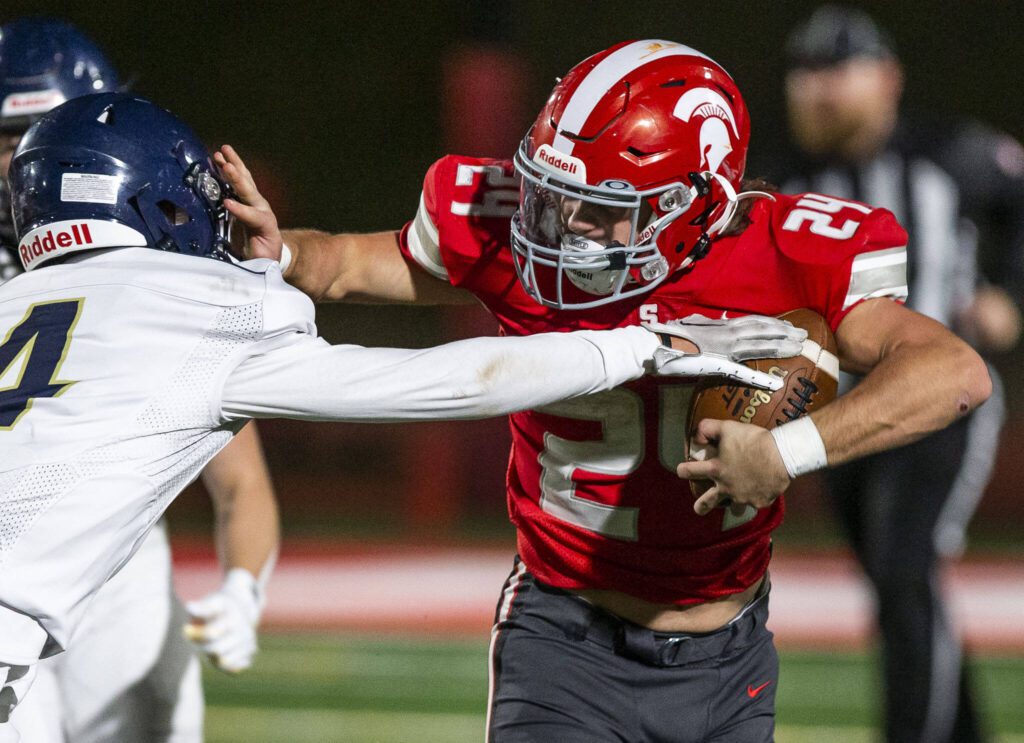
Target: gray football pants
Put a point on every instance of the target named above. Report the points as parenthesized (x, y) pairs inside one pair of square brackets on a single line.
[(565, 671)]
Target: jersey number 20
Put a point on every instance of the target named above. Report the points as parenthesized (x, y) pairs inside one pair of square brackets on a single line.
[(31, 356), (619, 452)]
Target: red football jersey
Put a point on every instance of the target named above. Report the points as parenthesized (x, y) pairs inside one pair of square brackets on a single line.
[(592, 487)]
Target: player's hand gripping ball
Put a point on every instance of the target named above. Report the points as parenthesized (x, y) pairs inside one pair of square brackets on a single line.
[(810, 381)]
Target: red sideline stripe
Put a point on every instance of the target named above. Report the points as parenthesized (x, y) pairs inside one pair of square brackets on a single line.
[(816, 601)]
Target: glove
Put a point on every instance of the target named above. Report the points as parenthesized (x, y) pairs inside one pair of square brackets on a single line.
[(223, 623), (724, 344)]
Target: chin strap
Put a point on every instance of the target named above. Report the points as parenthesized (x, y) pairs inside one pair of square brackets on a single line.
[(733, 199)]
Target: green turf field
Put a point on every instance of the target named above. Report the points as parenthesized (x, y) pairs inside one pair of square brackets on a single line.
[(361, 689)]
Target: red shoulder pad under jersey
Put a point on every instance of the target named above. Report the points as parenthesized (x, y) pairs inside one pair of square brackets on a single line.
[(862, 248), (463, 215)]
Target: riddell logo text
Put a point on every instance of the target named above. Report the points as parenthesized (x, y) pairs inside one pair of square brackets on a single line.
[(573, 168), (35, 101), (50, 241), (555, 161), (40, 100)]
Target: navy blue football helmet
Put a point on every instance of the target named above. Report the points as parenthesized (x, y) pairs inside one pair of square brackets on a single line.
[(114, 170), (44, 62)]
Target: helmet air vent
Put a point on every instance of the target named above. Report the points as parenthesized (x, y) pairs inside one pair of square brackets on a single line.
[(725, 92), (640, 155)]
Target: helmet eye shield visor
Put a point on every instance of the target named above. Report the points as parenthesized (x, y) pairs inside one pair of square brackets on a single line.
[(602, 239)]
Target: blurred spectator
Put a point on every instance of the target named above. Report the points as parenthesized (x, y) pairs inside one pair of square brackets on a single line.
[(958, 188)]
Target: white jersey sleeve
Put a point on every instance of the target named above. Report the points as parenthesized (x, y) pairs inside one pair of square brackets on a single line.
[(304, 377)]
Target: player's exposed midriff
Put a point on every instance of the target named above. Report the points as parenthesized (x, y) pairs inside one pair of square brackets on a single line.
[(704, 617)]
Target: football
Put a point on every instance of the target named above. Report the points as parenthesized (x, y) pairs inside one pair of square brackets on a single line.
[(811, 380)]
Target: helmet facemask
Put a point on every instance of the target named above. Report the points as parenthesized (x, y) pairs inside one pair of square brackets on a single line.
[(211, 188), (627, 259)]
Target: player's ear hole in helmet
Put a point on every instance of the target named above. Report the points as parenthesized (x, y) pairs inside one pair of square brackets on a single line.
[(122, 170)]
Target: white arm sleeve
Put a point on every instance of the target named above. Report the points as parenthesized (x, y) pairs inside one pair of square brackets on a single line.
[(306, 378)]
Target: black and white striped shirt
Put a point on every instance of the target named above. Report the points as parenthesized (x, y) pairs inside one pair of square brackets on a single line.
[(957, 188)]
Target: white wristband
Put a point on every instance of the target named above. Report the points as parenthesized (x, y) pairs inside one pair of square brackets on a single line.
[(286, 258), (800, 446)]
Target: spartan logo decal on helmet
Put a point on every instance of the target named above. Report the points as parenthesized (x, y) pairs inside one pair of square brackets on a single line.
[(715, 142), (629, 170)]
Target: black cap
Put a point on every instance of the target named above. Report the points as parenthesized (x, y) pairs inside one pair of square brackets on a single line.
[(834, 34)]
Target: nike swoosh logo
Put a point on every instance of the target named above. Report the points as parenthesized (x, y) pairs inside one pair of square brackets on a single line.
[(724, 315), (754, 691)]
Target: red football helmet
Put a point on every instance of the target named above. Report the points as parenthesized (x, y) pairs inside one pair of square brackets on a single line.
[(632, 165)]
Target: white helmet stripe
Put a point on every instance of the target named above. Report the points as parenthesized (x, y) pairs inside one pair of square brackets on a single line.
[(609, 71)]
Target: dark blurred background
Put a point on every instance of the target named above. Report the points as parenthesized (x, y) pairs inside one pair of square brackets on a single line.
[(340, 107)]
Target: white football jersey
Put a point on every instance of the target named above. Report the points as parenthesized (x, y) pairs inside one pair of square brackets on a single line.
[(109, 374), (123, 372)]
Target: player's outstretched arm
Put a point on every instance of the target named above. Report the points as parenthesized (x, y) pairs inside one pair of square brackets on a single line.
[(223, 623), (350, 267), (345, 267), (919, 378), (299, 376)]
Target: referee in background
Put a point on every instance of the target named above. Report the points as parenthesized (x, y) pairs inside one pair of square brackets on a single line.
[(958, 188)]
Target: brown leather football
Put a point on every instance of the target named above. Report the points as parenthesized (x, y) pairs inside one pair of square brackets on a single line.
[(811, 380)]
